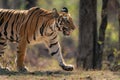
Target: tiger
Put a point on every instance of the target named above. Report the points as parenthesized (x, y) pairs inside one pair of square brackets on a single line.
[(35, 25)]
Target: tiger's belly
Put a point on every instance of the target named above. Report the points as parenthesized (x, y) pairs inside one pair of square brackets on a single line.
[(39, 40)]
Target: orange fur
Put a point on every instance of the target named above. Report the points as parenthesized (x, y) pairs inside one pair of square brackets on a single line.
[(24, 26)]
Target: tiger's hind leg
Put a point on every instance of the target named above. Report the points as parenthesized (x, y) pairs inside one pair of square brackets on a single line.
[(21, 56), (2, 47)]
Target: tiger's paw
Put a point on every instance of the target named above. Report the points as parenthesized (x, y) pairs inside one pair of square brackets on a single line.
[(67, 67), (4, 70), (22, 69)]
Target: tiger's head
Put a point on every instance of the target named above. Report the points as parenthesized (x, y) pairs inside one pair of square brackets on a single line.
[(63, 21)]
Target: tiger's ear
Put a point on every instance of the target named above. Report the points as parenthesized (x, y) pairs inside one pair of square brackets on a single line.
[(55, 13), (64, 9)]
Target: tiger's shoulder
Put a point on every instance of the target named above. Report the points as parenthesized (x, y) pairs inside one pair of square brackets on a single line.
[(41, 10)]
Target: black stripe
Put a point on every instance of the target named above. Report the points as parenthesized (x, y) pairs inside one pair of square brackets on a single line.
[(1, 21), (17, 38), (3, 43), (33, 19), (2, 49), (17, 21), (1, 12), (51, 45), (11, 38), (5, 32), (4, 14), (18, 51), (57, 26), (30, 23), (28, 40), (47, 14), (23, 18), (1, 53), (12, 33), (34, 37), (29, 18), (54, 37), (1, 15), (59, 18), (2, 38), (0, 34), (51, 34), (12, 28), (42, 29), (6, 26), (53, 53)]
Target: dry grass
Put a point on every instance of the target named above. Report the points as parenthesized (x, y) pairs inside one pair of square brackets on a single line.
[(61, 75), (48, 69)]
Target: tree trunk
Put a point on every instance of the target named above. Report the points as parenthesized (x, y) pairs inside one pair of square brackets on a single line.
[(87, 34), (119, 27), (0, 3), (30, 3), (119, 22), (101, 36), (4, 4), (16, 4)]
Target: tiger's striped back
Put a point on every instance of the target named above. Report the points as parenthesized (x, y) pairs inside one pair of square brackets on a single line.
[(10, 21), (26, 23)]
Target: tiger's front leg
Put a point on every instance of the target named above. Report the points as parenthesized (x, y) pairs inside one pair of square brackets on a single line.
[(21, 56), (55, 51)]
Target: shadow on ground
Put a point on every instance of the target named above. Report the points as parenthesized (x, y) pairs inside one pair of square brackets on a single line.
[(40, 73)]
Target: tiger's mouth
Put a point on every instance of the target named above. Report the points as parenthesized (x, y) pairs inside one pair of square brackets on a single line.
[(66, 31)]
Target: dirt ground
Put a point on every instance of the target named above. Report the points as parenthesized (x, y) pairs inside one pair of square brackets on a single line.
[(60, 75), (48, 69)]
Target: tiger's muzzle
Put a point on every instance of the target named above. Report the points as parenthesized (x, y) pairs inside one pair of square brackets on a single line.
[(66, 31)]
